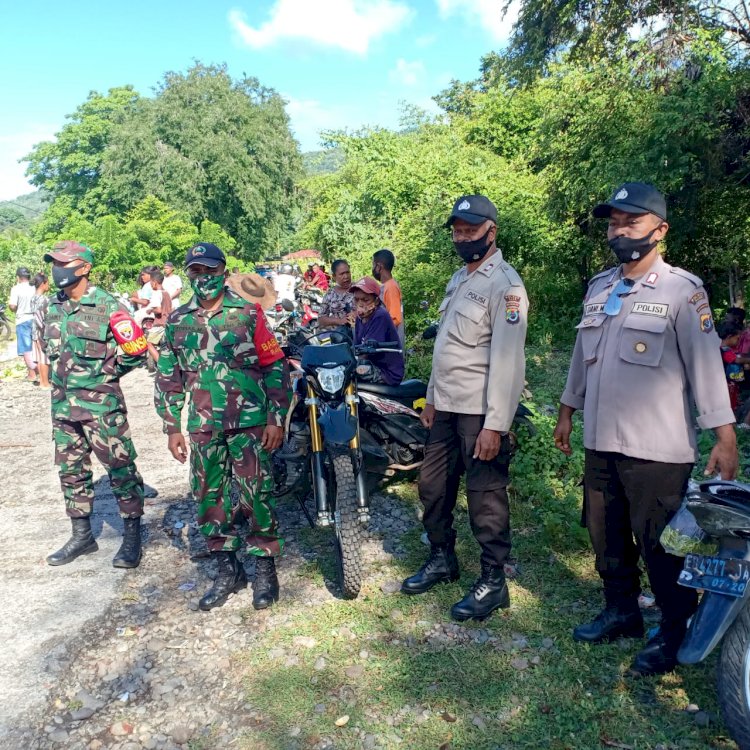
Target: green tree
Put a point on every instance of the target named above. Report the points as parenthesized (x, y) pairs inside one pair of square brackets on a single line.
[(396, 190), (69, 168), (215, 148), (151, 233)]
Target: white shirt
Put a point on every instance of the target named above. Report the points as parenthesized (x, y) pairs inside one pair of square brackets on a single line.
[(172, 285), (284, 285), (155, 301), (21, 296), (146, 291)]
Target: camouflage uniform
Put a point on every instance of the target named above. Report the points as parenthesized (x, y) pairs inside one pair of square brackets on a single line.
[(213, 356), (88, 408)]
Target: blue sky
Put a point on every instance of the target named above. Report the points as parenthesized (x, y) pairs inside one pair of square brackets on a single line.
[(339, 63)]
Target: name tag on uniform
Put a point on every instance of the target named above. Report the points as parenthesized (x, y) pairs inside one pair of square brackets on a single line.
[(476, 297), (593, 308), (659, 309)]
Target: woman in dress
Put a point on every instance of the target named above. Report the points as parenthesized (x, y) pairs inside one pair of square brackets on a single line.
[(337, 307)]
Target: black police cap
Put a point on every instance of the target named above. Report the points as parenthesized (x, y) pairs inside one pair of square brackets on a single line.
[(475, 209), (206, 254), (634, 198)]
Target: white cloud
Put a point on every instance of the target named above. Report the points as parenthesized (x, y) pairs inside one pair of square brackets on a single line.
[(486, 13), (12, 147), (407, 73), (350, 25)]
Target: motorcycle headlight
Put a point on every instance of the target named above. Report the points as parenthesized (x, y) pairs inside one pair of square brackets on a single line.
[(331, 379)]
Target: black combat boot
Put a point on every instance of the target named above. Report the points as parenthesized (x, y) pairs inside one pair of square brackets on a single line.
[(441, 565), (660, 653), (266, 584), (618, 619), (231, 579), (488, 593), (129, 554), (81, 542)]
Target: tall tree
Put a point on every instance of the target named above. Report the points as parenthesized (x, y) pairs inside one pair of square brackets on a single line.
[(596, 28), (70, 166), (215, 148)]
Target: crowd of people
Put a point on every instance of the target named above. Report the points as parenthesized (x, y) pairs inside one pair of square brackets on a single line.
[(646, 358)]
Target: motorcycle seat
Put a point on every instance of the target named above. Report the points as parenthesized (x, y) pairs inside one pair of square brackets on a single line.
[(409, 389)]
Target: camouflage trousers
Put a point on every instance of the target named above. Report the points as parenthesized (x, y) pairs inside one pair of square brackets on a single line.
[(108, 436), (216, 458)]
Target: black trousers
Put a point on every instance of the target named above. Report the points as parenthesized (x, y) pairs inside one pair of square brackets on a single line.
[(628, 502), (449, 454)]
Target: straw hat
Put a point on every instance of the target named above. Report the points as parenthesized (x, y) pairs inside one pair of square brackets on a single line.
[(253, 288)]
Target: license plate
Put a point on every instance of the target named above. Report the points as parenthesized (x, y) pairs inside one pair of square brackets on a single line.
[(717, 574)]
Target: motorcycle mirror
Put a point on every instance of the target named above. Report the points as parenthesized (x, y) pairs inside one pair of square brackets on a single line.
[(287, 304), (424, 305)]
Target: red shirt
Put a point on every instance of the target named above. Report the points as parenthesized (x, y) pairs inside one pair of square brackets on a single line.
[(319, 280), (743, 345)]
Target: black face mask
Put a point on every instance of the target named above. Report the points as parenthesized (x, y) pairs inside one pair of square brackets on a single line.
[(627, 250), (64, 277), (473, 250)]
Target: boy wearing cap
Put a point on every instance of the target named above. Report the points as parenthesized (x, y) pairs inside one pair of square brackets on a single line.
[(218, 349), (478, 368), (646, 349), (21, 298), (91, 342)]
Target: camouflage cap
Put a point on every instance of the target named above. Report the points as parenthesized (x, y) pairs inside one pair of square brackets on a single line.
[(68, 250)]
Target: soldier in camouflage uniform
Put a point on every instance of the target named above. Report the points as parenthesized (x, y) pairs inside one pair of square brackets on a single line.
[(91, 342), (218, 349)]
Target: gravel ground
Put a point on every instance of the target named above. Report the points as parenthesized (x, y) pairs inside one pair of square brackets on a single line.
[(84, 645)]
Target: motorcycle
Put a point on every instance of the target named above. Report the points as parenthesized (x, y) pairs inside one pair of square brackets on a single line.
[(5, 327), (343, 438), (718, 514), (285, 320)]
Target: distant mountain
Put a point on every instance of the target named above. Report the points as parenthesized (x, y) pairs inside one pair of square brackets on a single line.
[(22, 212), (323, 162)]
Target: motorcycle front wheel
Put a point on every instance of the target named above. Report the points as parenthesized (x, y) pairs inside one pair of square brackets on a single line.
[(349, 530), (734, 680)]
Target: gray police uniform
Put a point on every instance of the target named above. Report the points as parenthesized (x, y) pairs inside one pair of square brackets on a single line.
[(478, 370), (636, 376)]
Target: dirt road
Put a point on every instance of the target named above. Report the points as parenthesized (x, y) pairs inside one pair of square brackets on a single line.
[(85, 644)]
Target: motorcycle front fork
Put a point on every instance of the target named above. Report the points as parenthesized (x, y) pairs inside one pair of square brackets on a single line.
[(320, 485)]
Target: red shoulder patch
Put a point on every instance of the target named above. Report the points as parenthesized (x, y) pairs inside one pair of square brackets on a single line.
[(266, 346)]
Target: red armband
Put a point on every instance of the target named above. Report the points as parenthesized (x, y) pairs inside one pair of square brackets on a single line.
[(266, 346), (127, 333)]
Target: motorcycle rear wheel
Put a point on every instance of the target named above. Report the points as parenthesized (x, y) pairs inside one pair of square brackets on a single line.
[(5, 332), (349, 530), (733, 680)]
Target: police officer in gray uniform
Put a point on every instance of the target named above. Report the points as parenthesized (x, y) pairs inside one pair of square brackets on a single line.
[(478, 369), (646, 350)]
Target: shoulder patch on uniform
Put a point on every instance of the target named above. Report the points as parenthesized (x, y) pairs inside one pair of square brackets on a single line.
[(692, 278), (706, 322)]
